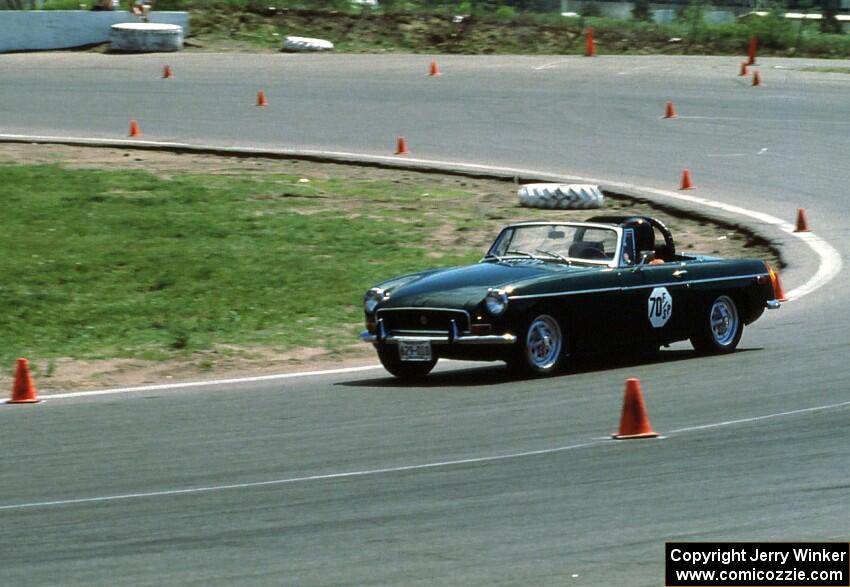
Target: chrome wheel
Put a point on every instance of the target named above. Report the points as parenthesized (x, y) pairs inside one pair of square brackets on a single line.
[(719, 327), (543, 343), (724, 321)]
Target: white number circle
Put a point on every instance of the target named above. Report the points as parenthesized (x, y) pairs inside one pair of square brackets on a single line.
[(659, 307)]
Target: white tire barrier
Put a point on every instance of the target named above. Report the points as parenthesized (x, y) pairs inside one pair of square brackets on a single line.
[(306, 44), (562, 196), (145, 37)]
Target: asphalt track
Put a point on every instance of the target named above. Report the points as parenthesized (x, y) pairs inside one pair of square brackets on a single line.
[(475, 477)]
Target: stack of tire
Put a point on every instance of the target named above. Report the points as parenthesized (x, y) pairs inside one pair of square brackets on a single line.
[(145, 37), (573, 196), (301, 44)]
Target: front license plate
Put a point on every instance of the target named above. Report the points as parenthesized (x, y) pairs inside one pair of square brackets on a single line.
[(414, 351)]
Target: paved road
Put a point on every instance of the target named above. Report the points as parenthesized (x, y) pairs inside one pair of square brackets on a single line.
[(475, 478)]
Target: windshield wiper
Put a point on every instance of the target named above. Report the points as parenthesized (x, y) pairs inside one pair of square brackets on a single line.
[(492, 256), (555, 255), (517, 252)]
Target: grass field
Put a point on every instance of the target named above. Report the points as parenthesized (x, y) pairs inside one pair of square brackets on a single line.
[(127, 264)]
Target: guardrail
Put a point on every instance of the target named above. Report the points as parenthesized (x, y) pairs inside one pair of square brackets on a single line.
[(36, 30)]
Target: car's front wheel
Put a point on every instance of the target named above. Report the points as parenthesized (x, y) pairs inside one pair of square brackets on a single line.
[(719, 327), (403, 369), (539, 348)]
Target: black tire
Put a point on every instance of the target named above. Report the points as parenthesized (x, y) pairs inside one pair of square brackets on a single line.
[(403, 369), (540, 347), (719, 326)]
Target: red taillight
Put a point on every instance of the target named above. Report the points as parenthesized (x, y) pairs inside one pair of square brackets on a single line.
[(778, 291)]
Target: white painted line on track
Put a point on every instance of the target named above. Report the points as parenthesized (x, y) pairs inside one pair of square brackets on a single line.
[(760, 418), (400, 469), (770, 120), (830, 259), (762, 151), (208, 383), (633, 70), (328, 477), (829, 267), (213, 382), (551, 64)]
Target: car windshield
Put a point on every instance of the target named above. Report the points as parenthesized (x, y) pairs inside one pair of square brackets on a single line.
[(556, 242)]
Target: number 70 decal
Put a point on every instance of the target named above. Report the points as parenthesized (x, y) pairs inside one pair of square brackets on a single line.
[(659, 307)]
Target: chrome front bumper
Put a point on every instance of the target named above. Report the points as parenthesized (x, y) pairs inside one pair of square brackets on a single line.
[(453, 336), (772, 304), (365, 336)]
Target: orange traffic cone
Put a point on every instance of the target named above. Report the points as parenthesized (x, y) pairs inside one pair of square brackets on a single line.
[(634, 422), (166, 72), (23, 390), (756, 79), (778, 290), (802, 222), (751, 51), (134, 129), (743, 69), (402, 147), (686, 181), (261, 98), (435, 70), (671, 112), (590, 44)]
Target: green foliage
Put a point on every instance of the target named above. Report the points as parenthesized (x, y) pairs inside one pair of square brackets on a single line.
[(505, 12), (773, 30), (641, 10), (827, 45), (830, 24), (123, 263), (693, 16), (590, 8), (171, 4)]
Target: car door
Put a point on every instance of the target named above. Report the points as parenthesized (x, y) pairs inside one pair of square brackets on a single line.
[(594, 307), (658, 302)]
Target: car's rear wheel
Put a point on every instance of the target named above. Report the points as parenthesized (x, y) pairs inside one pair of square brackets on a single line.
[(403, 369), (719, 327), (540, 347)]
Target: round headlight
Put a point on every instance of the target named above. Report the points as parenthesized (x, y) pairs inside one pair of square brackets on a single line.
[(496, 301), (372, 298)]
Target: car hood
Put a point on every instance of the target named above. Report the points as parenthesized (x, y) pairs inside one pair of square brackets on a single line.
[(466, 286)]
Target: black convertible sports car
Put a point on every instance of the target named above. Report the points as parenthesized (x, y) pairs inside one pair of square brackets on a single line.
[(546, 291)]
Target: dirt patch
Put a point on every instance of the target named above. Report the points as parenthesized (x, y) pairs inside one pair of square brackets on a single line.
[(470, 220)]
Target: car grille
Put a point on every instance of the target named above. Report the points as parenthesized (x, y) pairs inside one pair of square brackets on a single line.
[(423, 319)]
